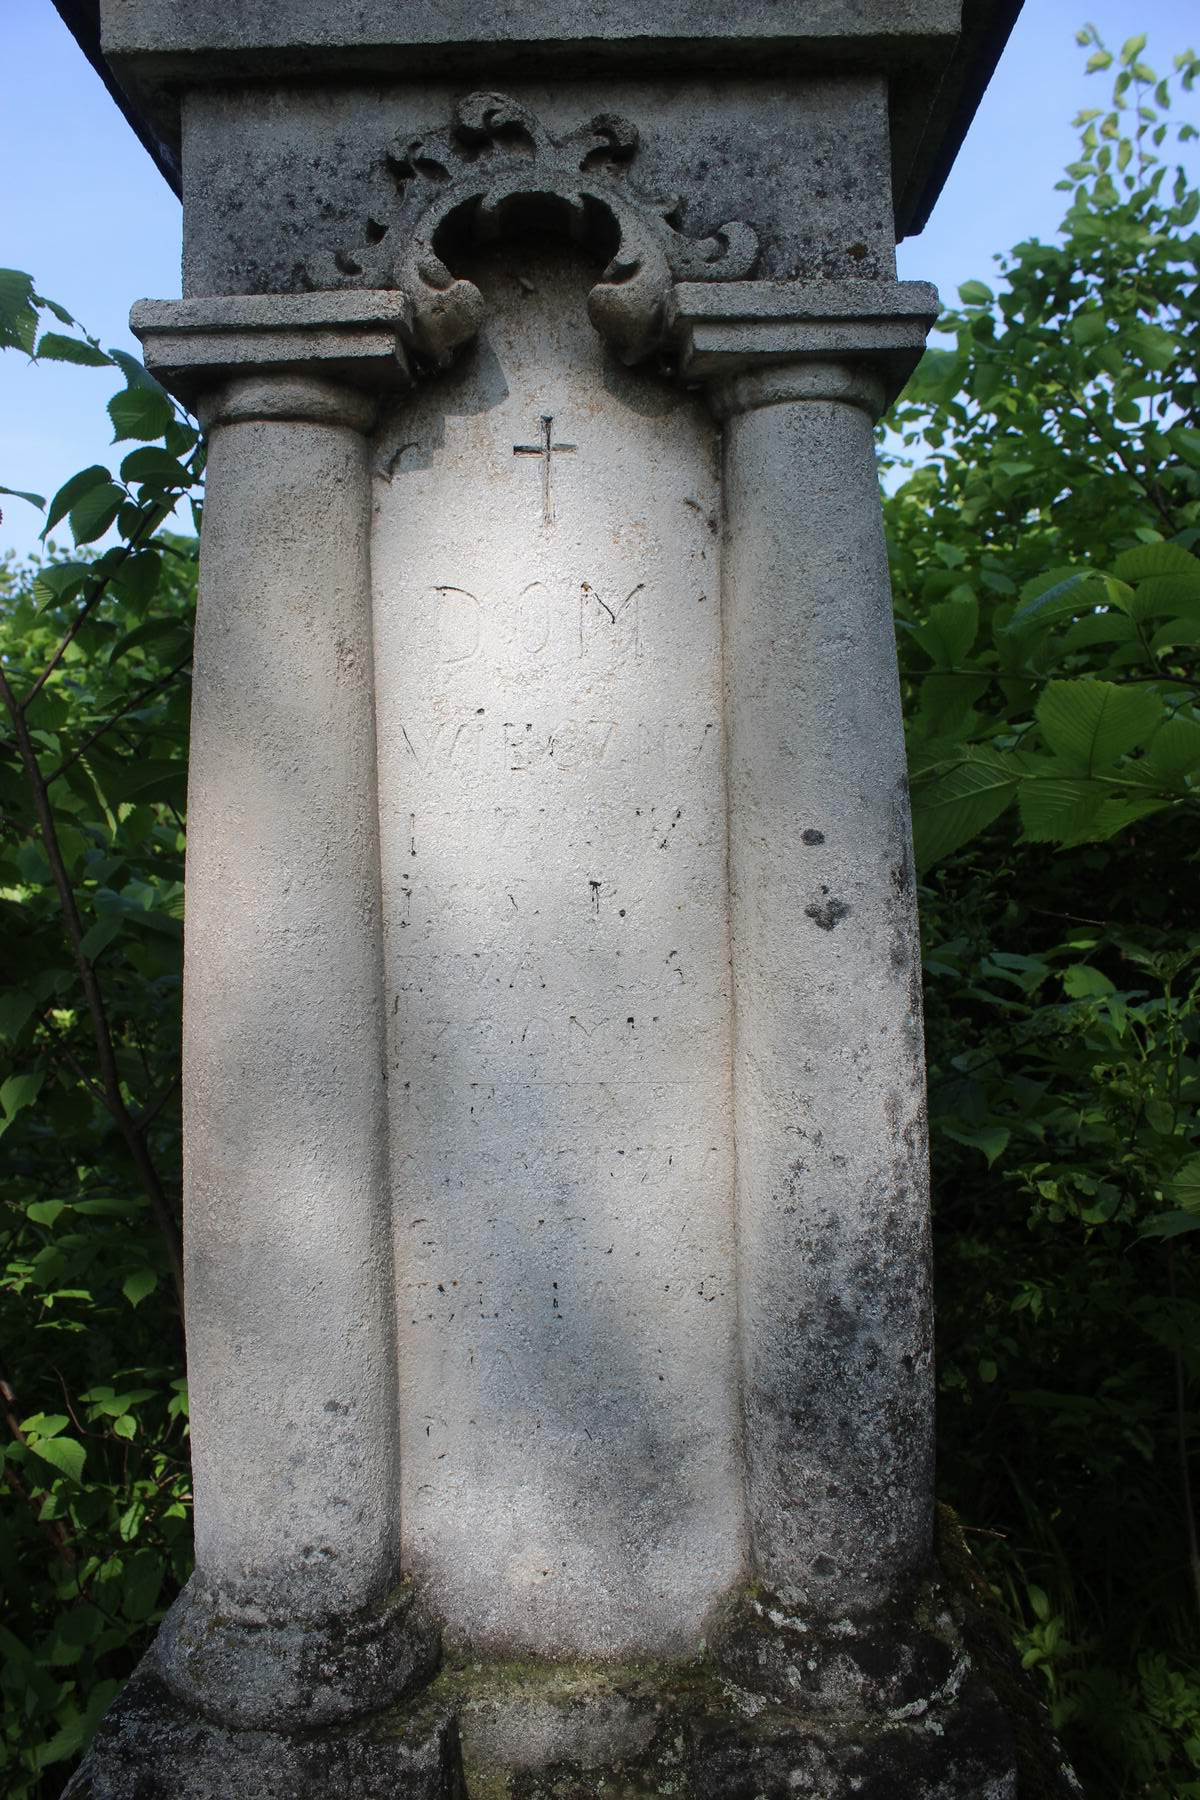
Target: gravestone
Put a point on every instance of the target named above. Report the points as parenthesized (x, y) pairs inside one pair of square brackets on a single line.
[(556, 1206)]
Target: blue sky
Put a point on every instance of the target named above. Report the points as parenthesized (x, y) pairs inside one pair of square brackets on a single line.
[(88, 216)]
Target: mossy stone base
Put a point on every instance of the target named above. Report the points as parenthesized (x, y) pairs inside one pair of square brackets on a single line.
[(151, 1746), (928, 1703)]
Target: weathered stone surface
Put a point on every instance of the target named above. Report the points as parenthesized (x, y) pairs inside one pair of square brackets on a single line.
[(289, 1258), (721, 327), (294, 1672), (891, 1662), (548, 699), (355, 337), (287, 184), (151, 1747), (500, 1728), (937, 54), (965, 1749), (834, 1307)]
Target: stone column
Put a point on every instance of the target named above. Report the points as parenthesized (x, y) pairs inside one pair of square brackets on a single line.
[(290, 1286), (831, 1181), (832, 1190)]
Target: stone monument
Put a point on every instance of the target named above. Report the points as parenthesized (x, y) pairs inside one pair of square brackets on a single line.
[(557, 1259)]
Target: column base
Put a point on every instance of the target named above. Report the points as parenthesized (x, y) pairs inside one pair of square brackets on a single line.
[(903, 1705), (516, 1732), (252, 1671), (152, 1746)]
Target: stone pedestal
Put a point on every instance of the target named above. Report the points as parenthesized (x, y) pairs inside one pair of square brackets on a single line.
[(557, 1273)]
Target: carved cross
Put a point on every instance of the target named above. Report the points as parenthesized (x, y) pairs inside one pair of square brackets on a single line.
[(546, 449)]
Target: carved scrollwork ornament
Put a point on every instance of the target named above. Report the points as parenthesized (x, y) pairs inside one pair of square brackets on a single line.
[(496, 168)]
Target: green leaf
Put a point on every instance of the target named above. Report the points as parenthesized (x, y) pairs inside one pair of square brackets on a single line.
[(1175, 634), (1174, 750), (20, 1091), (82, 1625), (144, 1573), (956, 806), (1170, 1225), (936, 379), (1162, 594), (1151, 344), (975, 293), (137, 578), (1160, 1116), (100, 935), (1132, 48), (135, 1287), (949, 632), (95, 512), (1154, 559), (1099, 59), (1090, 724), (18, 314), (72, 491), (1061, 593), (992, 1140), (140, 412), (55, 581), (135, 371), (145, 634), (1082, 982), (54, 347), (65, 1742), (16, 1009), (38, 500), (44, 1212), (156, 466), (1184, 1186), (1100, 628), (45, 1424), (1077, 812), (63, 1454), (1088, 328)]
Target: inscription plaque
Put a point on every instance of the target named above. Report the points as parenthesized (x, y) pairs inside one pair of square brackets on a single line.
[(556, 931)]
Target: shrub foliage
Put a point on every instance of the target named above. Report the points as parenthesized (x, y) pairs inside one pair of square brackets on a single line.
[(1047, 591)]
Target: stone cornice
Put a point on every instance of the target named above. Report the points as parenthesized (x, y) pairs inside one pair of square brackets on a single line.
[(359, 336), (722, 328), (352, 335)]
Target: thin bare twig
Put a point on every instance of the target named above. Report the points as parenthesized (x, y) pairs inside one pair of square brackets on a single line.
[(147, 1118)]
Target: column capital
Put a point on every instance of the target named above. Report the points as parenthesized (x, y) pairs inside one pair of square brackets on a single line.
[(810, 378), (321, 357), (761, 342)]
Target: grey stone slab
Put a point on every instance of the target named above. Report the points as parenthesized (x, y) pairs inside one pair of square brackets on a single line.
[(151, 1747), (353, 336), (309, 27), (548, 703), (721, 327), (293, 187), (938, 55)]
